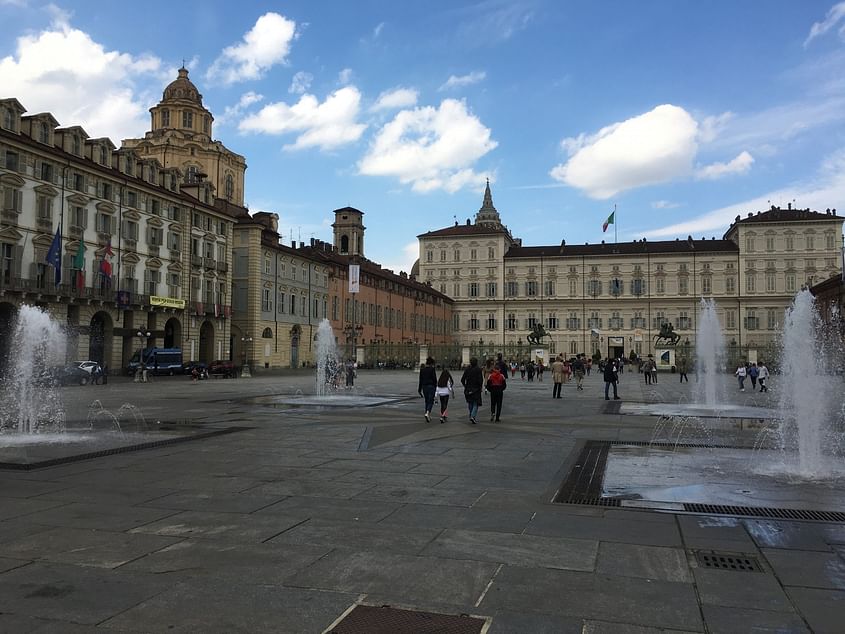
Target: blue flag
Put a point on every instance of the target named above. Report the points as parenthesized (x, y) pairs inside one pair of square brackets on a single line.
[(54, 256)]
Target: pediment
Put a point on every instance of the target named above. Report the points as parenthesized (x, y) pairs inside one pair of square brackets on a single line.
[(106, 208), (10, 234), (175, 228), (43, 240), (153, 263), (131, 214), (175, 266), (155, 222), (131, 258), (12, 179), (46, 190), (78, 199)]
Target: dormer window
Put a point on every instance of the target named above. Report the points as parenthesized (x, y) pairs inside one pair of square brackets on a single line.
[(44, 133), (104, 156), (129, 168), (76, 146), (9, 119)]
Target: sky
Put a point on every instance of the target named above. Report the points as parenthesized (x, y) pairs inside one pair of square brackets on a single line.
[(678, 114)]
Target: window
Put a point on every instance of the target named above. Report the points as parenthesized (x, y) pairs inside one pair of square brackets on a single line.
[(550, 288), (292, 310), (551, 322), (616, 287), (771, 279), (106, 190), (267, 265), (512, 289), (772, 319), (532, 320), (594, 288), (473, 254), (810, 264), (660, 285), (751, 320), (790, 243), (165, 118), (511, 321), (7, 261), (44, 133), (594, 321), (730, 285), (730, 319), (131, 199), (616, 322), (105, 222), (491, 253), (637, 287), (442, 255), (47, 172), (209, 249), (266, 300), (811, 243), (76, 146), (531, 288), (638, 321), (155, 207), (187, 119), (790, 282), (491, 289), (683, 285), (749, 244), (658, 320), (44, 207), (684, 321), (829, 240), (206, 126), (130, 232), (706, 286), (151, 281), (155, 236), (174, 241), (12, 199), (491, 321), (12, 161), (456, 290), (78, 216), (750, 283), (457, 255), (473, 289), (770, 243), (573, 322)]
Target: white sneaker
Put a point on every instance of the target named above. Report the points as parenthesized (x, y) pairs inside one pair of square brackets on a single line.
[(427, 418)]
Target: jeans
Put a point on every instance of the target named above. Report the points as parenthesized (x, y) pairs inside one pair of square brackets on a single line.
[(556, 390), (607, 385), (428, 394), (496, 397), (473, 408), (741, 382), (684, 376)]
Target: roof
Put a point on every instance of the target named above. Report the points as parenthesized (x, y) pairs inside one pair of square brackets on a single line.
[(776, 214), (349, 210), (640, 247), (829, 284), (463, 230)]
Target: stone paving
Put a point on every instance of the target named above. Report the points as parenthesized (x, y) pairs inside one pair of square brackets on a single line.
[(285, 525)]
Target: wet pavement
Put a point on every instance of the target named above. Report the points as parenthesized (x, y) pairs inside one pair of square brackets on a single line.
[(285, 525)]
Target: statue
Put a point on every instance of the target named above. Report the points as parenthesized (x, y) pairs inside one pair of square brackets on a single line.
[(536, 334), (667, 334)]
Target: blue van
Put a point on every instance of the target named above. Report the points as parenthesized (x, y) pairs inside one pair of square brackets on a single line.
[(157, 361)]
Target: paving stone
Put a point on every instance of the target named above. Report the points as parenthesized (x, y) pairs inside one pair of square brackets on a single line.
[(396, 479), (809, 569), (554, 524), (647, 562), (30, 488), (20, 507), (516, 550), (704, 532), (358, 536), (110, 518), (226, 502), (74, 593), (11, 564), (209, 606), (455, 517), (661, 604), (730, 588), (19, 527), (107, 495), (84, 547), (405, 578), (308, 507), (421, 495), (368, 465), (824, 610), (523, 622), (608, 627), (795, 535), (230, 526), (722, 620)]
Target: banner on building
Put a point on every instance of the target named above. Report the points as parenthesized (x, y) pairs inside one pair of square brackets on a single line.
[(167, 302), (354, 278)]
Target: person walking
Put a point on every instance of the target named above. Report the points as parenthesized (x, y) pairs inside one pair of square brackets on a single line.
[(753, 373), (578, 368), (682, 369), (530, 369), (589, 365), (445, 389), (496, 385), (557, 377), (541, 367), (500, 363), (473, 382), (741, 373), (522, 370), (647, 370), (610, 378), (654, 372), (762, 375), (428, 386)]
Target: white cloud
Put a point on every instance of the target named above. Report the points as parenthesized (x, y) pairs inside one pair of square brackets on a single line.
[(61, 68), (459, 81), (344, 76), (325, 125), (233, 112), (739, 165), (300, 83), (712, 127), (410, 253), (264, 45), (818, 193), (395, 98), (377, 31), (664, 204), (654, 147), (430, 148), (834, 16)]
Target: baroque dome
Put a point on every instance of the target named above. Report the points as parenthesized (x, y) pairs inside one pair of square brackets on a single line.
[(182, 88)]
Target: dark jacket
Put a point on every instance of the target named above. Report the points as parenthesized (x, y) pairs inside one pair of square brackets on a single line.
[(428, 376), (610, 375), (473, 382)]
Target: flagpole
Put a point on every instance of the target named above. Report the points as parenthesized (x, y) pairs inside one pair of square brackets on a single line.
[(615, 224)]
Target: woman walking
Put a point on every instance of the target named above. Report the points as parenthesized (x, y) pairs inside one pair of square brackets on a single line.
[(496, 385), (741, 373), (428, 386), (473, 382), (444, 391)]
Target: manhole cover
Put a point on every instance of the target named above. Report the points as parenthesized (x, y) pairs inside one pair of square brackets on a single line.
[(367, 619), (727, 561)]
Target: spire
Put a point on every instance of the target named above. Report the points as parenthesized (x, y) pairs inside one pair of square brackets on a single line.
[(488, 215)]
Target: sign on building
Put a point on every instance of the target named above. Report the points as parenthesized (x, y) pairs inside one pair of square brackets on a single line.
[(354, 278)]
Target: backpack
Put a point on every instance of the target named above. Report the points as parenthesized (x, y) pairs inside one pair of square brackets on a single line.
[(497, 379)]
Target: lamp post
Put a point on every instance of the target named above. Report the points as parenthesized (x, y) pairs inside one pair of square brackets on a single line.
[(245, 371), (141, 371)]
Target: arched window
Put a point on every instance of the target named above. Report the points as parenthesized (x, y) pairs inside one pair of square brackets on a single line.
[(229, 187), (267, 334), (344, 244), (165, 118)]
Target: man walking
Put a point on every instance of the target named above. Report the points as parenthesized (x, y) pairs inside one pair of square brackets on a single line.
[(496, 385), (610, 378), (557, 377), (682, 369), (428, 386), (578, 368), (762, 375)]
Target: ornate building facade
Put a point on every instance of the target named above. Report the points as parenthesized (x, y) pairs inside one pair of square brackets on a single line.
[(612, 298)]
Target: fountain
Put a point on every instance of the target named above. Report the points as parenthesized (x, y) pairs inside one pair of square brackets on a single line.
[(329, 365), (709, 353)]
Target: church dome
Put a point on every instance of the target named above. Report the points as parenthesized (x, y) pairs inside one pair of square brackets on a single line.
[(182, 88)]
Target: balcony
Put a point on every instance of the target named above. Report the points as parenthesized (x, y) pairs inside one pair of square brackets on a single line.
[(130, 245), (209, 263), (196, 260), (176, 256), (222, 266), (153, 249), (75, 231), (44, 225)]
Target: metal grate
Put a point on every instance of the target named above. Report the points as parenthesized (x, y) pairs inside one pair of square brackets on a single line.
[(765, 511), (367, 619), (585, 479), (739, 562)]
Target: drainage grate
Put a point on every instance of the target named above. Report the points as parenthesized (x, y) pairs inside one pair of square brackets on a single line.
[(587, 476), (727, 561), (765, 511), (672, 445), (367, 619)]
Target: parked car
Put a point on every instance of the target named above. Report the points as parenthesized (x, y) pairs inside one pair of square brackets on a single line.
[(222, 367), (188, 367), (87, 366), (67, 375)]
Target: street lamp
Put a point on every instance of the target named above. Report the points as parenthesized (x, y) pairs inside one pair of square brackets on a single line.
[(141, 371), (245, 372)]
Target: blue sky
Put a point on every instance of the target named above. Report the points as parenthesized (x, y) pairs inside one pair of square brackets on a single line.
[(682, 114)]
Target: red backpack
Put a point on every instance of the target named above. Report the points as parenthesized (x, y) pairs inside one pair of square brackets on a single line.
[(497, 379)]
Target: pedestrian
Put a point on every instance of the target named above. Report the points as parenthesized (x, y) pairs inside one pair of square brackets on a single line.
[(530, 369), (428, 386), (522, 370), (621, 365), (540, 369), (647, 370), (96, 374), (105, 373), (567, 370), (578, 369), (557, 376), (488, 368), (589, 365), (654, 372), (444, 390), (753, 374), (496, 385), (350, 373), (682, 369), (762, 375), (611, 377), (741, 373), (473, 382), (513, 368)]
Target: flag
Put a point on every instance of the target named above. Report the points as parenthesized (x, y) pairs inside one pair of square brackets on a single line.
[(105, 266), (79, 265), (54, 256), (108, 250), (607, 222)]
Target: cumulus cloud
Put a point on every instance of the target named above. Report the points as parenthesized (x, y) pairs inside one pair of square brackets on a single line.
[(650, 148), (459, 81), (300, 83), (266, 44), (233, 112), (395, 98), (834, 16), (430, 148), (664, 204), (409, 254), (61, 68), (325, 125), (740, 165), (344, 76)]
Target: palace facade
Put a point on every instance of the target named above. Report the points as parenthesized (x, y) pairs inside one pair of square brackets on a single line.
[(613, 298)]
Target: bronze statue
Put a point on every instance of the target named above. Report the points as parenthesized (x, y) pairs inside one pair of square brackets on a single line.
[(536, 334), (667, 334)]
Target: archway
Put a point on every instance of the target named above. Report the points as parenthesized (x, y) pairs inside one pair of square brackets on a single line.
[(206, 347), (8, 313), (295, 334), (173, 333), (100, 338)]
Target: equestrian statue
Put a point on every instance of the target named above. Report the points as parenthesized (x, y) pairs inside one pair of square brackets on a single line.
[(667, 334), (536, 334)]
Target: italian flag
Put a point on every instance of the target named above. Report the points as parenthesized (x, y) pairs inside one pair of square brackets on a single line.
[(607, 222), (79, 265)]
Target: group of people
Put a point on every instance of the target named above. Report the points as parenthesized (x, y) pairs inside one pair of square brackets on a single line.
[(756, 372), (475, 380)]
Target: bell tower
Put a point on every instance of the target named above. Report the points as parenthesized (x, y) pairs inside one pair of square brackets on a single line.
[(349, 231)]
